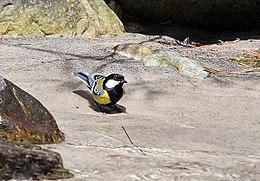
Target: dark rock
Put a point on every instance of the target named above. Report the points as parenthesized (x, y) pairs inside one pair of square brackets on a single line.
[(203, 14), (23, 118), (23, 161)]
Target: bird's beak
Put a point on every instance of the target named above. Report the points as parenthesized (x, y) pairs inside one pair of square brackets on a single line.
[(123, 81)]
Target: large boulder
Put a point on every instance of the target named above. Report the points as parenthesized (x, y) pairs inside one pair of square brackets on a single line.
[(66, 18), (203, 14), (23, 118), (23, 161)]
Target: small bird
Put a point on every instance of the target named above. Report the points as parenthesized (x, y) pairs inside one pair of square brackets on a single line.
[(105, 90)]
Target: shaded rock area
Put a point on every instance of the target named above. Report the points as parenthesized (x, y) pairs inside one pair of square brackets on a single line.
[(72, 18), (22, 161), (203, 14), (23, 118)]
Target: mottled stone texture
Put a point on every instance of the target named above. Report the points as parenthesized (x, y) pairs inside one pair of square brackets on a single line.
[(22, 161), (62, 18), (23, 118), (249, 59), (205, 14)]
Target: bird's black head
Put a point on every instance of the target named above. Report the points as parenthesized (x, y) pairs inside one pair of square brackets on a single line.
[(114, 80)]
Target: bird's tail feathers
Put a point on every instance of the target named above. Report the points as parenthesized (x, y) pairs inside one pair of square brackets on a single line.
[(86, 78)]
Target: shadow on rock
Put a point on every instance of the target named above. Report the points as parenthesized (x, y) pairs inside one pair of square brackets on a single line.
[(113, 109)]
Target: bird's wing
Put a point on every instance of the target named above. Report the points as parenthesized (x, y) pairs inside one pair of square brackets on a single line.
[(96, 77), (86, 78), (97, 88)]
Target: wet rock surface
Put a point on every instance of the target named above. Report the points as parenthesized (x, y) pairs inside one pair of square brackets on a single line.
[(24, 161), (23, 118)]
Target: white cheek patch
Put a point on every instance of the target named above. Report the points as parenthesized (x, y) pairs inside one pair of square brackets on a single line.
[(112, 83)]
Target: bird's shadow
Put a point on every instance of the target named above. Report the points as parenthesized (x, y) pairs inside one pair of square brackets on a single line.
[(113, 109)]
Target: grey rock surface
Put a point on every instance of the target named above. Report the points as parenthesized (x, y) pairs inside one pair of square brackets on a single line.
[(173, 59), (188, 129)]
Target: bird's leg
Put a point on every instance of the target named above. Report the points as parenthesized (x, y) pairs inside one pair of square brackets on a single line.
[(117, 108), (98, 107)]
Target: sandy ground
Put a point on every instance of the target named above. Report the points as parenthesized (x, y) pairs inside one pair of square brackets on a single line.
[(183, 128)]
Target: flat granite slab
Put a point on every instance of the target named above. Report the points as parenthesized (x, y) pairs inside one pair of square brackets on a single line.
[(181, 128)]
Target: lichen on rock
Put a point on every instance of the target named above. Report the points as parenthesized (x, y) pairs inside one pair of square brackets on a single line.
[(72, 18)]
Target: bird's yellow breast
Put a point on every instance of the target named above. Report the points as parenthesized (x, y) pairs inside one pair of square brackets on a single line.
[(104, 97)]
